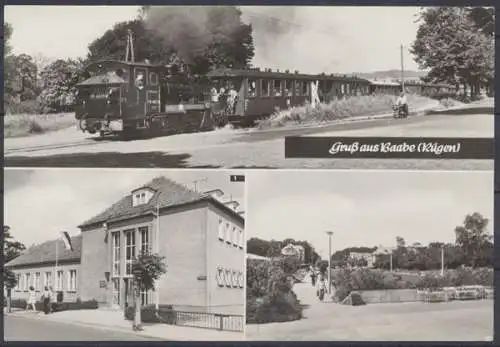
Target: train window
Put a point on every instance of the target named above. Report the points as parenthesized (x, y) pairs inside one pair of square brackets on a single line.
[(265, 88), (305, 88), (288, 88), (153, 78), (277, 88), (252, 88), (298, 88)]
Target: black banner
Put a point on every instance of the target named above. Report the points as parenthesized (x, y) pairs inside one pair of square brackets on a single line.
[(389, 147), (237, 178)]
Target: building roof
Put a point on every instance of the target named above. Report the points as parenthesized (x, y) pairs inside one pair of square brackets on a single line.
[(268, 73), (107, 78), (167, 194), (46, 253)]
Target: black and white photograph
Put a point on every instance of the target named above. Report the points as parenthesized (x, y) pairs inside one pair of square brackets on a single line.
[(221, 87), (99, 255), (369, 255)]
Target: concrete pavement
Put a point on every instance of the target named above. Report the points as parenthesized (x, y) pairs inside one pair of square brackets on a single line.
[(112, 320), (389, 322)]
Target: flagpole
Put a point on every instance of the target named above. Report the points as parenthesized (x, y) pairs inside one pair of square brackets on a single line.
[(157, 250)]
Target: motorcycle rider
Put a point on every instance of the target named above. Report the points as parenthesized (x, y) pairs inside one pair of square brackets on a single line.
[(402, 102)]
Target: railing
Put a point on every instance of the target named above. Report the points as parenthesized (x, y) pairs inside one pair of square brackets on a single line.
[(455, 293), (206, 320)]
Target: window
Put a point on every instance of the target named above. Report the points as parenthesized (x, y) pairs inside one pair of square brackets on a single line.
[(145, 242), (18, 282), (116, 253), (277, 88), (242, 279), (228, 233), (144, 298), (252, 88), (37, 281), (129, 251), (347, 88), (342, 88), (241, 242), (59, 280), (228, 278), (220, 233), (27, 280), (298, 88), (305, 88), (288, 88), (264, 88), (235, 237), (153, 78), (47, 279), (116, 291), (71, 280)]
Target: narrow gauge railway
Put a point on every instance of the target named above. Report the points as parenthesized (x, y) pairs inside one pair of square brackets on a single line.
[(127, 97)]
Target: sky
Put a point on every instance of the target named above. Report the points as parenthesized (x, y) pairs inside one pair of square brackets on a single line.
[(309, 39), (364, 208), (41, 203)]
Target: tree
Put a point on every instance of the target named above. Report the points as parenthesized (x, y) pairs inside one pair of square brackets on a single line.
[(473, 237), (59, 80), (456, 51), (483, 18), (11, 249), (146, 269), (9, 67)]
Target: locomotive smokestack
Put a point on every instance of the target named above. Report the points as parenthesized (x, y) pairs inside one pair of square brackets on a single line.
[(130, 47)]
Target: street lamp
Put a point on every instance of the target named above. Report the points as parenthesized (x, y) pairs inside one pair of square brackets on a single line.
[(329, 233)]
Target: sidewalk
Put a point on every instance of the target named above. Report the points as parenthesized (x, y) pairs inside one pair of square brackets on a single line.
[(114, 320)]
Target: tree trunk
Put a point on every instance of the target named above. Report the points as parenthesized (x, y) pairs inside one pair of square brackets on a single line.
[(9, 300), (137, 315)]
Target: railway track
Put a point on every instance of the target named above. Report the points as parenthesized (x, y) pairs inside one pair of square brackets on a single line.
[(52, 146)]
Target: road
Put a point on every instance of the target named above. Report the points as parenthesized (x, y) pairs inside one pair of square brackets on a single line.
[(35, 328), (379, 322), (229, 148)]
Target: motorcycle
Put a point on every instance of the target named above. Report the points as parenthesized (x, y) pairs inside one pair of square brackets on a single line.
[(399, 111)]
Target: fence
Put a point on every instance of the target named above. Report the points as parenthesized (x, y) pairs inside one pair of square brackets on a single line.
[(207, 320), (455, 293)]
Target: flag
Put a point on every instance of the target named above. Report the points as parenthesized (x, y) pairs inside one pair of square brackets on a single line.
[(67, 241)]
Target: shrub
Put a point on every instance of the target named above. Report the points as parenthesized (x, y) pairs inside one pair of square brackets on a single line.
[(270, 297), (337, 109), (165, 314), (58, 307), (26, 124)]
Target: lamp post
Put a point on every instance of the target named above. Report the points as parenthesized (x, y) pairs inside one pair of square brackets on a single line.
[(329, 233)]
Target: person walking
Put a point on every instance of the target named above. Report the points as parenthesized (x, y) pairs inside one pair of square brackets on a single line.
[(313, 278), (31, 299), (322, 287), (46, 297)]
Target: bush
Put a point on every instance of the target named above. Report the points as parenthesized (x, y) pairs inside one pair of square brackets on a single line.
[(270, 297), (26, 124), (349, 280), (337, 109), (58, 307), (25, 107), (165, 314)]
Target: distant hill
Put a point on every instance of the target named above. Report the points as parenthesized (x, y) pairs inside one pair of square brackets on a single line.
[(391, 74)]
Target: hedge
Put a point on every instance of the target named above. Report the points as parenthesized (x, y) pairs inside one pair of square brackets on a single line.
[(165, 314), (58, 307), (349, 280)]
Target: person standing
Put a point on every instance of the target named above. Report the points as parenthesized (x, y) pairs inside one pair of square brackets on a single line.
[(313, 278), (46, 297), (53, 299), (31, 299)]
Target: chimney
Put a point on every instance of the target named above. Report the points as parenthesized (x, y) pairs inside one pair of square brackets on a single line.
[(296, 72), (232, 205)]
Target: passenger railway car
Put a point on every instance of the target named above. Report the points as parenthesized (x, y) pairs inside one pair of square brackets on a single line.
[(260, 93), (122, 97)]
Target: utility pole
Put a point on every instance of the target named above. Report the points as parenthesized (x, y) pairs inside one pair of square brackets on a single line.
[(391, 260), (442, 260), (329, 233), (402, 71), (195, 182)]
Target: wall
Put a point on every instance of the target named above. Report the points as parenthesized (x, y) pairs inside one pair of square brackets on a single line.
[(388, 296), (182, 243), (67, 296), (224, 299), (94, 264)]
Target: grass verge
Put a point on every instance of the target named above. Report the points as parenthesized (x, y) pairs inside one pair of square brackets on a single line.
[(339, 109), (20, 125)]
